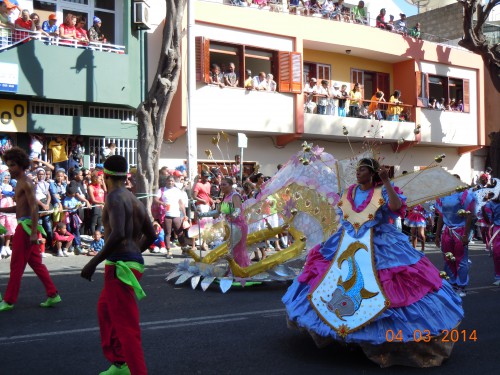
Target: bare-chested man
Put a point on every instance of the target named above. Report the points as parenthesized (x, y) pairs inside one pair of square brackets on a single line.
[(128, 232), (25, 244)]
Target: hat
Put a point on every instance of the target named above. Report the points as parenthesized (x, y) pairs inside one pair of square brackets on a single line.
[(38, 170), (52, 17), (336, 84), (9, 4), (205, 174), (96, 19), (402, 15), (312, 80), (177, 173)]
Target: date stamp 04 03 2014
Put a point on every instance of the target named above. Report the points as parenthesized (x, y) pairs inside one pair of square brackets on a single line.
[(451, 335)]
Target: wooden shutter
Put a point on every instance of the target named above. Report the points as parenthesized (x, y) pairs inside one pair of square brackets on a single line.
[(422, 81), (296, 72), (284, 71), (466, 93), (290, 72), (382, 84), (202, 52)]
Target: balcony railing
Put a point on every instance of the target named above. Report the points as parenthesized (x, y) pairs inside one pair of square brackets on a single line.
[(10, 38)]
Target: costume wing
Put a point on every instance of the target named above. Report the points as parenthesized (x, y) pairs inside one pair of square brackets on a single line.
[(482, 194)]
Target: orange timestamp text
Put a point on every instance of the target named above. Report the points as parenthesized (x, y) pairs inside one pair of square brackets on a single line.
[(447, 335)]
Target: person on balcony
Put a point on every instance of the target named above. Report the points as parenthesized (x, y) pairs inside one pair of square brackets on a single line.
[(400, 25), (248, 84), (327, 9), (231, 78), (271, 83), (215, 77), (309, 100), (415, 31), (359, 13), (334, 99), (394, 109), (341, 13), (81, 33), (323, 97), (356, 101), (22, 25), (259, 82), (67, 30), (380, 20), (5, 23), (374, 107), (343, 101), (49, 27), (95, 32)]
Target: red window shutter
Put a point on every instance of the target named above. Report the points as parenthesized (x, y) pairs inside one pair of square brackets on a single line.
[(466, 96), (284, 71), (202, 52), (296, 72)]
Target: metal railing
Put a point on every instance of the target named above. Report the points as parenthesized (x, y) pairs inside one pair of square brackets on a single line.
[(13, 37)]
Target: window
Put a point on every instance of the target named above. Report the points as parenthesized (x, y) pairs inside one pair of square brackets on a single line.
[(318, 71), (370, 82), (285, 66), (433, 86)]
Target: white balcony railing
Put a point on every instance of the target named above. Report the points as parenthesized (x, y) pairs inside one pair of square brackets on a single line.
[(10, 38)]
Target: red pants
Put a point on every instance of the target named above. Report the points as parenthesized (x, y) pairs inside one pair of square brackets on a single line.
[(23, 252), (119, 323)]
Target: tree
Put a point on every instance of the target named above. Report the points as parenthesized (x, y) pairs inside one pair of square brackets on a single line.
[(152, 112), (474, 39)]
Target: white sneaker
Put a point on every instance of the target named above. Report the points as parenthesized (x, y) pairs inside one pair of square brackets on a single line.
[(8, 250), (65, 253), (163, 250), (60, 253), (3, 253), (44, 255), (496, 283), (156, 250), (462, 293)]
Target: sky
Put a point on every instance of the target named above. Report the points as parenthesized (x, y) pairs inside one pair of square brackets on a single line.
[(393, 7)]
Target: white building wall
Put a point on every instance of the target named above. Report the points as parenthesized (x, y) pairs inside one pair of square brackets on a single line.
[(449, 127)]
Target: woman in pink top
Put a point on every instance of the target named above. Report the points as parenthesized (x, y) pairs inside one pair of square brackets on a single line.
[(67, 30), (80, 32), (96, 198)]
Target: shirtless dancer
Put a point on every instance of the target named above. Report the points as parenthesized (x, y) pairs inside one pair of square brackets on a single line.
[(25, 244), (128, 232)]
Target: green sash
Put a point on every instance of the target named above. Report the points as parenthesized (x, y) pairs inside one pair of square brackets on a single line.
[(126, 276), (26, 224)]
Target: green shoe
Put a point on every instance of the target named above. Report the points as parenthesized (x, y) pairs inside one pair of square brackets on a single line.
[(4, 306), (115, 370), (51, 301)]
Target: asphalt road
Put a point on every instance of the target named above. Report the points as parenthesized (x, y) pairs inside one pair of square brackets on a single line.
[(189, 331)]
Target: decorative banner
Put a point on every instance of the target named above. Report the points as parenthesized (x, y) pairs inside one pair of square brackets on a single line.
[(350, 294), (9, 77), (13, 116), (426, 185)]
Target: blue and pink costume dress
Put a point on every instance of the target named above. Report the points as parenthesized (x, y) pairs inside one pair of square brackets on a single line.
[(415, 218), (492, 215), (457, 268), (417, 298)]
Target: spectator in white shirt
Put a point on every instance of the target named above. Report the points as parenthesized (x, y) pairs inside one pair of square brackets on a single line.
[(310, 90), (259, 82), (334, 99), (271, 83)]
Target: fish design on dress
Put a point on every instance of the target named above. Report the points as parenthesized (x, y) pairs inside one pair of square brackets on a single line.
[(348, 295)]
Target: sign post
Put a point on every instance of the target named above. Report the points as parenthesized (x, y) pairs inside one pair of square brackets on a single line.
[(242, 144)]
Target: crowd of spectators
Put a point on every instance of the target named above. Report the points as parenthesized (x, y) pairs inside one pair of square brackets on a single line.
[(22, 23), (446, 105), (227, 76), (335, 100)]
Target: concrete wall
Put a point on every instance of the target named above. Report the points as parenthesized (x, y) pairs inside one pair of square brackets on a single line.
[(445, 22)]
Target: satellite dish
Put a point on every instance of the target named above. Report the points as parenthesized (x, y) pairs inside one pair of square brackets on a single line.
[(419, 3)]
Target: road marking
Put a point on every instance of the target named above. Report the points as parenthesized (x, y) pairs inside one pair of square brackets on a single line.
[(193, 323), (162, 323)]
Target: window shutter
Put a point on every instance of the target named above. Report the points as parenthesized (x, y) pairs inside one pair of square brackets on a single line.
[(466, 96), (202, 52), (284, 71), (296, 72), (422, 89)]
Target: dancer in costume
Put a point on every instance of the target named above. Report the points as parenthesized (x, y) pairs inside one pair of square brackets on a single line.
[(415, 219), (491, 212), (129, 232), (230, 207), (453, 233), (25, 242), (366, 282)]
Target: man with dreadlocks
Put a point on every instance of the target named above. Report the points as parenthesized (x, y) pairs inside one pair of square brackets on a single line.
[(128, 232)]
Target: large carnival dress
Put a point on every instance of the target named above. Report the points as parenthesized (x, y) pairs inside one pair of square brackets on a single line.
[(492, 211), (239, 231), (417, 298), (416, 217)]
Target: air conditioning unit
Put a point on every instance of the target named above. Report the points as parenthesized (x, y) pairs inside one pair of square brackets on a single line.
[(141, 14)]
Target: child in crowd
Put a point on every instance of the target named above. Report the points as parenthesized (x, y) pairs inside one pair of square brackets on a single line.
[(73, 221), (62, 240), (97, 244), (6, 219), (159, 243)]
